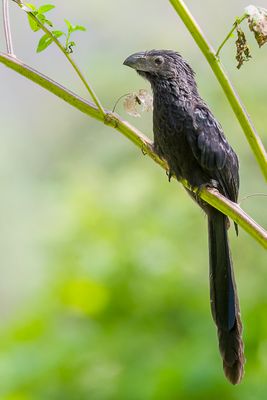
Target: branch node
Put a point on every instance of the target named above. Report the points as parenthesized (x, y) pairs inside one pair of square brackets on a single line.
[(110, 119)]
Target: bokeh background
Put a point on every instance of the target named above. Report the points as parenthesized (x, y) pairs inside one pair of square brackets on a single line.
[(104, 265)]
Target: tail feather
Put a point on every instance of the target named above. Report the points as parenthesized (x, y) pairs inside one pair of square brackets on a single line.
[(231, 348), (224, 299)]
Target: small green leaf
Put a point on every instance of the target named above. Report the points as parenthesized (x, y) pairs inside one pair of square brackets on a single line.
[(45, 8), (72, 28), (31, 6), (44, 42), (78, 28), (69, 26), (48, 22), (41, 17), (57, 34), (33, 24)]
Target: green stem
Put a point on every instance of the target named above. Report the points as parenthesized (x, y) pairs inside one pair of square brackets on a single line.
[(211, 196), (236, 23), (238, 108), (74, 65)]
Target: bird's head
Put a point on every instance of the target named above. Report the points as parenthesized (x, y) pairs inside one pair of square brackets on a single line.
[(159, 64)]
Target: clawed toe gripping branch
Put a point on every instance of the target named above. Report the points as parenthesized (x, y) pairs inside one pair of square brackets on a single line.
[(96, 110)]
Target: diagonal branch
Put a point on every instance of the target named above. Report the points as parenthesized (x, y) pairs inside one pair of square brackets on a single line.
[(238, 108), (211, 196)]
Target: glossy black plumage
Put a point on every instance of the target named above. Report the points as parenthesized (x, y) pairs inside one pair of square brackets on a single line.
[(192, 142)]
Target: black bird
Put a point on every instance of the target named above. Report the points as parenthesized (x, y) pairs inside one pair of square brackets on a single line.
[(189, 138)]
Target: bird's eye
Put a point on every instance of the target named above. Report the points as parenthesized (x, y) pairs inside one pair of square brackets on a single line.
[(158, 60)]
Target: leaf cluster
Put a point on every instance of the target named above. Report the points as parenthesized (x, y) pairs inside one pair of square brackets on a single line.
[(37, 18)]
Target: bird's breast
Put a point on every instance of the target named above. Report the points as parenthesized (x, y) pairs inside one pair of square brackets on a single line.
[(169, 121), (171, 125)]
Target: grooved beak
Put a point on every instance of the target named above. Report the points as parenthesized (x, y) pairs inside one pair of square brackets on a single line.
[(136, 61)]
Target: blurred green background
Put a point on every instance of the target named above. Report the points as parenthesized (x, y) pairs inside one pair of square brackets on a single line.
[(104, 264)]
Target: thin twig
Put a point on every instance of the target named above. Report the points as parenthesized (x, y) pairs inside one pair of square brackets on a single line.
[(236, 23), (7, 29), (66, 54), (252, 195), (238, 108), (121, 97), (74, 65), (211, 196)]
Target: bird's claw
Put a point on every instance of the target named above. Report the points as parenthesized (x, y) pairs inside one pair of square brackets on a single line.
[(169, 174), (212, 184)]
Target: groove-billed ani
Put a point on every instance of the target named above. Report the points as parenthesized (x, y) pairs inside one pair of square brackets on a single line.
[(192, 142)]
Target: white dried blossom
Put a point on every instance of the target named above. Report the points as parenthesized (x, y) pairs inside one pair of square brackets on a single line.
[(143, 98), (257, 19), (146, 100)]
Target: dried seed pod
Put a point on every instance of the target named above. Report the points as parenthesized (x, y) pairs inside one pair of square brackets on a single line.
[(242, 49), (257, 20), (133, 100)]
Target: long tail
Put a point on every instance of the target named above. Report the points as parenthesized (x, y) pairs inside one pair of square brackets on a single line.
[(223, 298)]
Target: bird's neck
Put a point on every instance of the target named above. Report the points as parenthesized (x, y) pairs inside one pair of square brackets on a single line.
[(173, 91)]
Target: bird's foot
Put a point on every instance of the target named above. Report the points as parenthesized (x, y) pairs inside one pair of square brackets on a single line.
[(212, 184), (169, 174), (148, 147), (156, 149)]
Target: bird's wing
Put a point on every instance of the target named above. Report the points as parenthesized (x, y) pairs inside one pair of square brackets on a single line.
[(213, 152)]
